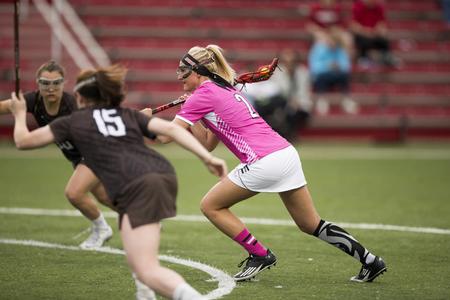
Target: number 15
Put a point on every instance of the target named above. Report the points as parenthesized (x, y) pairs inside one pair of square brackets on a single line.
[(108, 123)]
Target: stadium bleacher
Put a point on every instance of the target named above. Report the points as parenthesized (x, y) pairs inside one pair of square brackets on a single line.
[(411, 101)]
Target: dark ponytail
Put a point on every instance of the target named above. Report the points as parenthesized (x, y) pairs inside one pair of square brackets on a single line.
[(103, 86)]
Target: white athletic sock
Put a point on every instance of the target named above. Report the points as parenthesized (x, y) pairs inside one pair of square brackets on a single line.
[(100, 222), (186, 292)]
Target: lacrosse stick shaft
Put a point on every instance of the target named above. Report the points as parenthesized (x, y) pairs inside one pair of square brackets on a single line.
[(167, 106), (16, 45)]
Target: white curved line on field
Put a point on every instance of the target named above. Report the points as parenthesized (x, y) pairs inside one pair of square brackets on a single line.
[(198, 218), (225, 283)]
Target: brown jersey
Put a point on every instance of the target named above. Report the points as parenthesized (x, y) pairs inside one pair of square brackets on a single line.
[(35, 106), (112, 144)]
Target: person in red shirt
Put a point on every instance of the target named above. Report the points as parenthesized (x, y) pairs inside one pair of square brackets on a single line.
[(325, 20), (370, 31)]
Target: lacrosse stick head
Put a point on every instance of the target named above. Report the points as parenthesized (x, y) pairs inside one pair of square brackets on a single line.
[(263, 73)]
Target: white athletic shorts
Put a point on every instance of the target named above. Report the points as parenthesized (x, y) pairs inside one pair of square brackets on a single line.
[(277, 172)]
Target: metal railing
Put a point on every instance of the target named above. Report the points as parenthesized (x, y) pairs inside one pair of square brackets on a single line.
[(74, 36)]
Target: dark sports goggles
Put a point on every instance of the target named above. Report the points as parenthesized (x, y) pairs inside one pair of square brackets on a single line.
[(189, 64), (184, 71), (46, 83)]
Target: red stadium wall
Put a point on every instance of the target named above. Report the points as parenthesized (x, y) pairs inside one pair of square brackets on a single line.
[(411, 101)]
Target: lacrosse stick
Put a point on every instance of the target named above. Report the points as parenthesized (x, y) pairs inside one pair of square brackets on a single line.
[(263, 73), (168, 105), (16, 45)]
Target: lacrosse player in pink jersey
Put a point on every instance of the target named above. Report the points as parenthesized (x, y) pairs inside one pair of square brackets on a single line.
[(215, 111)]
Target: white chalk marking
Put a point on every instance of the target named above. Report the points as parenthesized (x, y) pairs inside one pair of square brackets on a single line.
[(225, 283), (198, 218)]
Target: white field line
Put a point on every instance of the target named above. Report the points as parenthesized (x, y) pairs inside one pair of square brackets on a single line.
[(225, 283), (198, 218)]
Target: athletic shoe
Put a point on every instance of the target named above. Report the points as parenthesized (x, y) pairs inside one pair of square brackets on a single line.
[(143, 292), (97, 238), (254, 265), (370, 271)]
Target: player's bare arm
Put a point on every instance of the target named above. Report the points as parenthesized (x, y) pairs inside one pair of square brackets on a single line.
[(5, 107), (23, 138), (164, 138), (161, 137), (204, 136), (188, 141)]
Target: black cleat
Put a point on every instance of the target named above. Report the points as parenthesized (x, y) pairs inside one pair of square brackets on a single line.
[(254, 265), (370, 271)]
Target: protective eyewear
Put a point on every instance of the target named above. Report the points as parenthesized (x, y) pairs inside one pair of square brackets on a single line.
[(46, 84), (184, 71)]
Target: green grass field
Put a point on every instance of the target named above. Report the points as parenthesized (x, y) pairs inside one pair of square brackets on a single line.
[(404, 185)]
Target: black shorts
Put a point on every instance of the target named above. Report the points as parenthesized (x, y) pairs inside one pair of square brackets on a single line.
[(148, 199)]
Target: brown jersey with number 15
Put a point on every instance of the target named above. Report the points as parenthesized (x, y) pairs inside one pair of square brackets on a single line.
[(112, 145)]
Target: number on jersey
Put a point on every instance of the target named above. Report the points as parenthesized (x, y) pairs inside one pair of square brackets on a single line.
[(251, 110), (109, 123)]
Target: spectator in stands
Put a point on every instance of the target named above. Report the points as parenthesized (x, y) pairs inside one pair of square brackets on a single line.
[(326, 19), (47, 103), (446, 9), (284, 101), (370, 33), (330, 69)]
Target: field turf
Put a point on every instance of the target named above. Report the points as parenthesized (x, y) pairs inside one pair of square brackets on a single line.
[(404, 185)]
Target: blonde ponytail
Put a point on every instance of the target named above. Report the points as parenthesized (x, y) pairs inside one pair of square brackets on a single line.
[(213, 59)]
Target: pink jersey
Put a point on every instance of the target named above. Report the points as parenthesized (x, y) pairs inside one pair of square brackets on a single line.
[(233, 120)]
